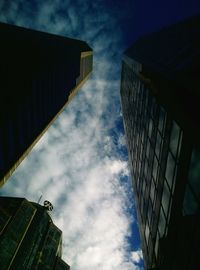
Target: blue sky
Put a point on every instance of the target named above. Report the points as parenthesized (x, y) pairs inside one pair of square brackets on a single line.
[(81, 163)]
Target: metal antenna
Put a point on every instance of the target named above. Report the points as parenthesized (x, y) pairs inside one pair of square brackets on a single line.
[(40, 198)]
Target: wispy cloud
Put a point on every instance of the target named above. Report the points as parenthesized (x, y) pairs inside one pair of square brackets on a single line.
[(136, 256), (79, 163)]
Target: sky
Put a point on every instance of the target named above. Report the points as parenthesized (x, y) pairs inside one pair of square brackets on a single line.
[(81, 162)]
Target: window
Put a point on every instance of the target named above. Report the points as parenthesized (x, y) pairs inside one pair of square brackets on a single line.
[(165, 198), (162, 223), (148, 148), (146, 167), (150, 211), (174, 138), (158, 144), (157, 244), (150, 127), (152, 191), (147, 233), (155, 167), (143, 186), (139, 167), (169, 173)]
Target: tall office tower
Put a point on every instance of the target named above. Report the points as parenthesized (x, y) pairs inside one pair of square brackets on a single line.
[(28, 238), (39, 75), (160, 97)]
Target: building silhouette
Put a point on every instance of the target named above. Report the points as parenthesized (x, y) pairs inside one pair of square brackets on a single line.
[(160, 97), (28, 238), (39, 75)]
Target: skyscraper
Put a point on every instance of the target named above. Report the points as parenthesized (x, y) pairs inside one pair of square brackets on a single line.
[(160, 96), (39, 75), (28, 238)]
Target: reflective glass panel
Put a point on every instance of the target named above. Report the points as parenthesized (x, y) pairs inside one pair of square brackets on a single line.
[(170, 169), (149, 211), (156, 244), (150, 127), (155, 168), (147, 233), (158, 144), (148, 148), (152, 191), (165, 198), (162, 223), (174, 138)]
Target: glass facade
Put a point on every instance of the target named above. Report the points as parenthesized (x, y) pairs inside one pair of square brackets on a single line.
[(28, 239), (40, 75), (154, 143), (160, 103)]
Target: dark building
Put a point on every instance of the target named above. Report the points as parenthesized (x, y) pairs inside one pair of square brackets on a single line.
[(160, 97), (28, 238), (39, 75)]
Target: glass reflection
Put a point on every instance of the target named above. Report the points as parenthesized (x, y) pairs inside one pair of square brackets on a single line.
[(165, 198), (162, 223), (174, 138), (170, 169)]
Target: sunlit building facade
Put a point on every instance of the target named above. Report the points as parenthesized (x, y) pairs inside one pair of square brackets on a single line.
[(40, 73), (160, 96), (28, 238)]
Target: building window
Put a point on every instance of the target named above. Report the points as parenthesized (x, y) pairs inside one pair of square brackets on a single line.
[(152, 191), (169, 173), (147, 231), (148, 148), (162, 223), (150, 210), (150, 127), (158, 144), (157, 244), (165, 198), (155, 168)]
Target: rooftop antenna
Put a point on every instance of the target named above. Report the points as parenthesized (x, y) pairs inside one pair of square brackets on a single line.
[(39, 199)]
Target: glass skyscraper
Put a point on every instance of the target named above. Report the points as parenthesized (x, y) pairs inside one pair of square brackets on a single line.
[(40, 73), (28, 238), (160, 95)]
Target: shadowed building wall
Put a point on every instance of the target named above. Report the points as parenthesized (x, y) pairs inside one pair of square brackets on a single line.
[(28, 237), (160, 97), (39, 75)]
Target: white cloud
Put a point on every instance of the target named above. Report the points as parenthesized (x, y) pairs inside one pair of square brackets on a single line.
[(122, 140), (137, 256)]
